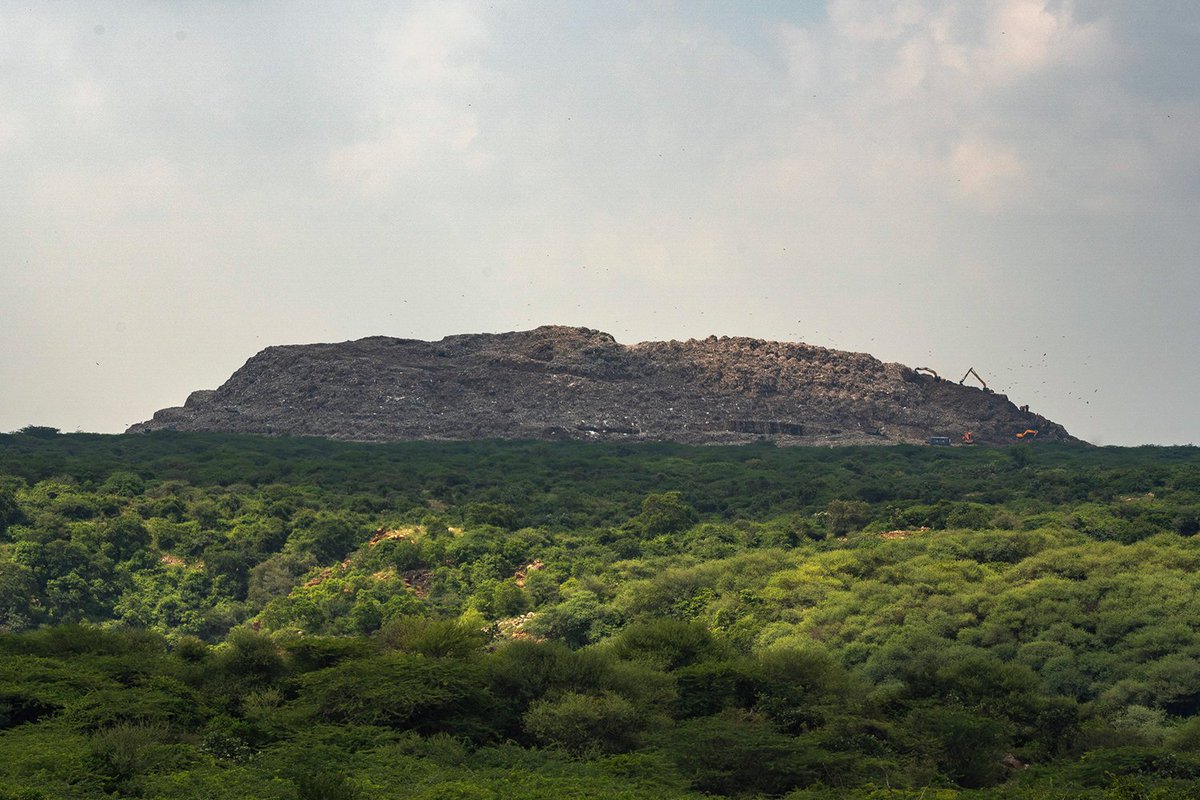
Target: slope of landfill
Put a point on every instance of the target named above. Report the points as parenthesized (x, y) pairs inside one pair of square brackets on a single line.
[(558, 382)]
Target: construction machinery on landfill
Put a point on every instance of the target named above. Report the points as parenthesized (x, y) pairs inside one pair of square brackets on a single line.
[(971, 371)]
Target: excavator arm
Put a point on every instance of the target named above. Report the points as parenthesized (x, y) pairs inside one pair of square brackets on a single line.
[(971, 371)]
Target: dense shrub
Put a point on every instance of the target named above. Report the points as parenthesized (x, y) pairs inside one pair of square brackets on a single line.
[(282, 618)]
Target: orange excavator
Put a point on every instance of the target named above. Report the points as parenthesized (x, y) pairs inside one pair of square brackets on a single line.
[(968, 438), (1028, 434)]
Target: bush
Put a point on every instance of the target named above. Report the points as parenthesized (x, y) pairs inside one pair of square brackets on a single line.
[(251, 657), (308, 653), (1099, 767), (403, 691), (39, 431), (436, 638), (740, 753), (126, 750), (585, 724), (666, 643), (847, 516), (124, 538), (712, 686), (967, 747), (664, 513), (579, 620), (10, 512), (328, 537), (326, 786)]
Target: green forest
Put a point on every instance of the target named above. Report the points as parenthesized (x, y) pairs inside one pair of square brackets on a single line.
[(218, 616)]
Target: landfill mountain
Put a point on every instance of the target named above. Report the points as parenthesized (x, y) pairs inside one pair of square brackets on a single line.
[(559, 382)]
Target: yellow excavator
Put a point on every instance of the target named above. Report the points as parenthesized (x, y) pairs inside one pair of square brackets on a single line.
[(1028, 434), (971, 371), (927, 371)]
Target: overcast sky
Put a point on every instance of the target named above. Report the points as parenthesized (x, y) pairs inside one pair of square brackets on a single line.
[(1011, 185)]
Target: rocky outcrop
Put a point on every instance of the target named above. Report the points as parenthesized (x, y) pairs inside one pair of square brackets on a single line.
[(576, 383)]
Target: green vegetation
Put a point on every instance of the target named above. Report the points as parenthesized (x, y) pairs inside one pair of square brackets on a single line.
[(207, 616)]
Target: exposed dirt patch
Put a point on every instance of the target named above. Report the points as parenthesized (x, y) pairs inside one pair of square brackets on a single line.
[(403, 534), (419, 581), (513, 629), (902, 534), (521, 574)]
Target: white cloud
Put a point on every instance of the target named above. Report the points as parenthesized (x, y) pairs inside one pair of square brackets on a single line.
[(435, 48), (422, 134), (84, 97), (11, 128), (1025, 35), (985, 171), (147, 191), (429, 68), (955, 100)]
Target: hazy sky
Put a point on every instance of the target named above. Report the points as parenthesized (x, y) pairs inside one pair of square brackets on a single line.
[(1011, 185)]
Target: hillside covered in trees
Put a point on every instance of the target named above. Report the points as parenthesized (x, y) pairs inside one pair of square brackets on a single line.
[(215, 616)]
